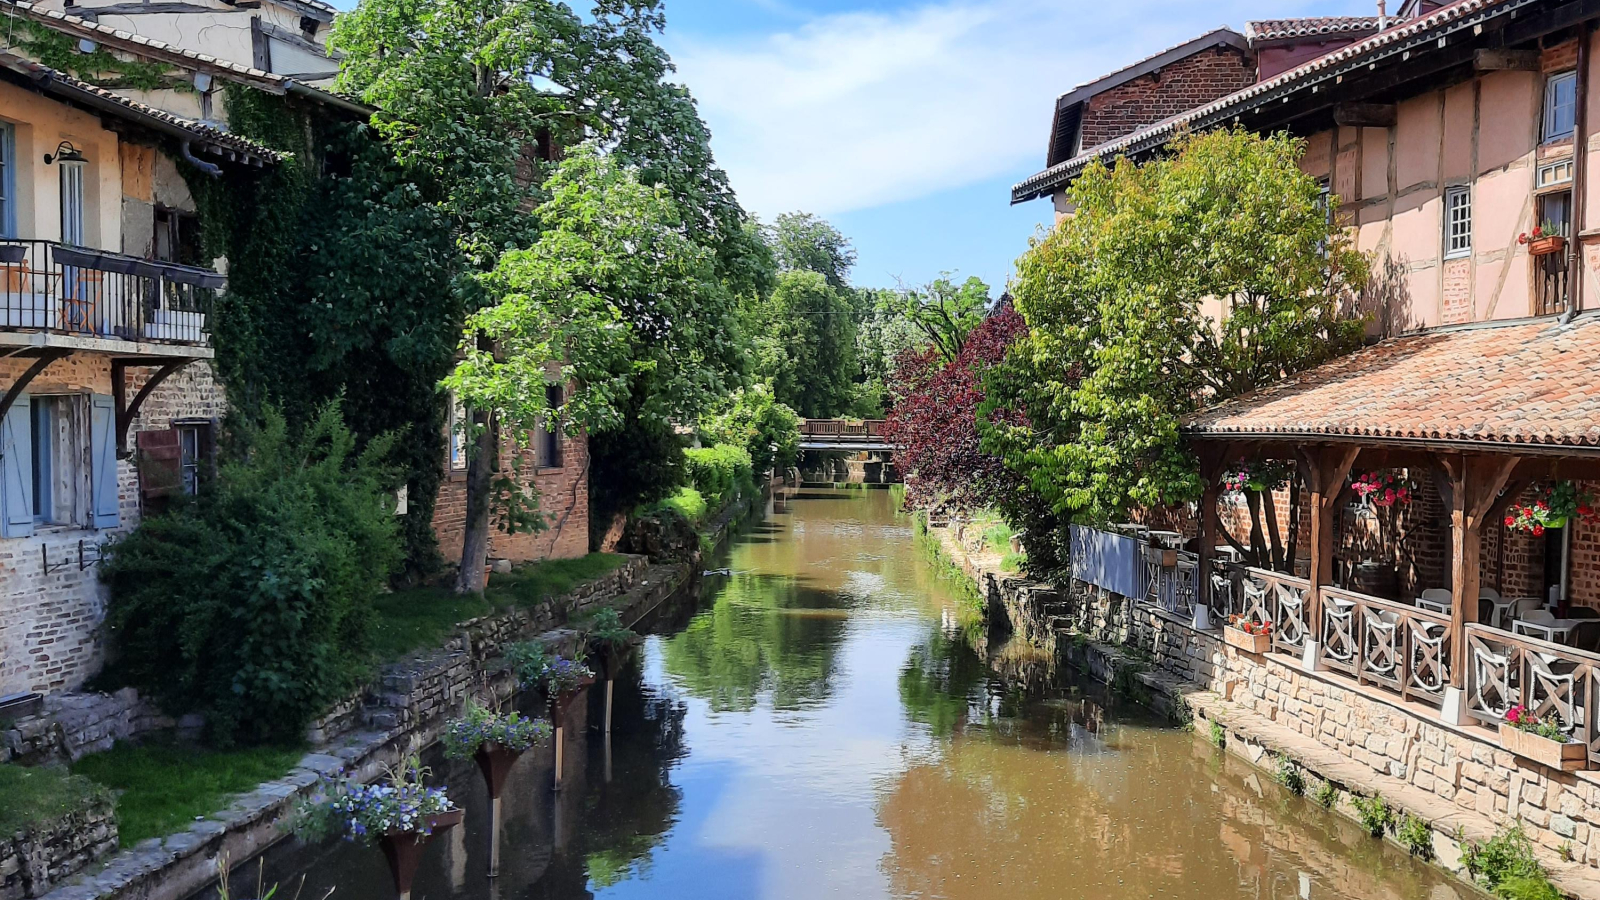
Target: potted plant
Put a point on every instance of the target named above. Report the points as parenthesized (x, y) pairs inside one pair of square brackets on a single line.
[(561, 679), (494, 740), (400, 814), (1545, 239), (1541, 740), (1383, 489), (609, 642), (1555, 505), (1248, 635), (11, 254)]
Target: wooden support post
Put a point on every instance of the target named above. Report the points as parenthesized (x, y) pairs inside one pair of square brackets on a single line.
[(1476, 483), (610, 683), (1326, 469), (559, 742)]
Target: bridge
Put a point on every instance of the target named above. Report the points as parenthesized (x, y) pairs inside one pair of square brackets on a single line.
[(844, 434)]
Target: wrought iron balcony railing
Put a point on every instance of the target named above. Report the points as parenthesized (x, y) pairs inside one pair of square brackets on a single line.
[(50, 287)]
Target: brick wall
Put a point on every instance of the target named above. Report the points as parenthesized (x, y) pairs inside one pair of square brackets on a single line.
[(51, 607), (563, 498), (1176, 88)]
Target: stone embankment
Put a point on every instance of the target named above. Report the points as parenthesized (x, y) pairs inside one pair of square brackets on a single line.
[(1362, 740)]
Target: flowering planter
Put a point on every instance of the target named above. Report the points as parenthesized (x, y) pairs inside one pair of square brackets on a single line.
[(1568, 756), (495, 761), (1547, 245), (561, 702), (403, 849), (1240, 639)]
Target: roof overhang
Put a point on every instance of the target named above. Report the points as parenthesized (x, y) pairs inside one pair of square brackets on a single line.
[(1385, 63)]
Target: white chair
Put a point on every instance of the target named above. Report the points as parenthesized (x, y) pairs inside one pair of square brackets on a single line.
[(1436, 600), (1484, 593), (1538, 617)]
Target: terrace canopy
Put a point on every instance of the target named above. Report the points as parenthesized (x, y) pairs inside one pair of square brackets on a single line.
[(1488, 408)]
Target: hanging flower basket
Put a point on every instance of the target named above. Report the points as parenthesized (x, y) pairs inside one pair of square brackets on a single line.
[(493, 740), (11, 254), (1556, 504), (1383, 489), (1259, 475)]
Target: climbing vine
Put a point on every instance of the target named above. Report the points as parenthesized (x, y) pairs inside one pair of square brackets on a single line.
[(62, 52), (340, 285)]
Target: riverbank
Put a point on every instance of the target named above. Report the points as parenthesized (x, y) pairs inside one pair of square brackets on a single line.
[(401, 712), (1272, 714)]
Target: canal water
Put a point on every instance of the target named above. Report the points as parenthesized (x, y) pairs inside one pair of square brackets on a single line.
[(818, 726)]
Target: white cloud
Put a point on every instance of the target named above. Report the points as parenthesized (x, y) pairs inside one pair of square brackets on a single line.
[(854, 110)]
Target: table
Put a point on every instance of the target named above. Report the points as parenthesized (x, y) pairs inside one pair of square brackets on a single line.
[(1439, 606), (1549, 632), (1502, 612)]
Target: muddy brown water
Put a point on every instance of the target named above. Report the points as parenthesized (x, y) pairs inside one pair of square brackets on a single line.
[(816, 725)]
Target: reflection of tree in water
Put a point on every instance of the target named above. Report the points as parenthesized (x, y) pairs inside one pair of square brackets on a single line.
[(617, 825), (764, 635), (941, 683), (1064, 801)]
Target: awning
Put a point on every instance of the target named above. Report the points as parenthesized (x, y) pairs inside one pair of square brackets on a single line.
[(1530, 385)]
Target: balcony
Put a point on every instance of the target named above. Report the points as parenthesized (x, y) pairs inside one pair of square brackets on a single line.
[(57, 296)]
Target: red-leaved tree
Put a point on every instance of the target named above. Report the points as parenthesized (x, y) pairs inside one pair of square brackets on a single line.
[(934, 422)]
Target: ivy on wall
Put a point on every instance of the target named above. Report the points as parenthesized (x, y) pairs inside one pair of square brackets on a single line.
[(339, 284), (61, 51)]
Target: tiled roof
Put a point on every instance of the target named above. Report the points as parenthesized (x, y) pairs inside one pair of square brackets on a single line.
[(1220, 110), (1318, 26), (1528, 382), (52, 81), (140, 45)]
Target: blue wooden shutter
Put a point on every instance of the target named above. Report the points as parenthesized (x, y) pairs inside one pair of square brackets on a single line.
[(16, 470), (103, 453)]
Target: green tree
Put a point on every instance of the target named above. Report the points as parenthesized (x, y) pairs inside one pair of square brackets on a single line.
[(803, 343), (882, 335), (755, 420), (944, 312), (1121, 302), (802, 242)]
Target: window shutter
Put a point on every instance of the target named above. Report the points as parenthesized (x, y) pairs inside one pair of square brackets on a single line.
[(103, 456), (16, 470), (160, 464)]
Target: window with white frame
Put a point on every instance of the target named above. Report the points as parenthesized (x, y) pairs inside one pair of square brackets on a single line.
[(1457, 222), (1560, 106), (8, 174), (458, 434), (72, 203)]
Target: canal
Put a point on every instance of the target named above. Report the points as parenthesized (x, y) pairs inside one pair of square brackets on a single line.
[(818, 726)]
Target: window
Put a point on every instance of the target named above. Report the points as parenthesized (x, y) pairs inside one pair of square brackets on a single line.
[(547, 438), (458, 434), (57, 453), (71, 203), (1560, 106), (8, 188), (58, 463), (1457, 222), (192, 442), (177, 237), (1550, 269)]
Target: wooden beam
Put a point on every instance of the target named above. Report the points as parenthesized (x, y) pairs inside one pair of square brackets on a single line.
[(1326, 470), (126, 411), (1365, 115), (1505, 60), (21, 384), (1476, 485)]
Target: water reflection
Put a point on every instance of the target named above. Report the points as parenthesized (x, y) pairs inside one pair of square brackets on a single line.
[(818, 727)]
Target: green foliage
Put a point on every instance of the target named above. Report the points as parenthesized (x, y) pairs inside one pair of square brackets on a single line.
[(1375, 814), (532, 584), (717, 471), (164, 788), (802, 242), (1218, 735), (637, 465), (1326, 795), (339, 287), (37, 795), (754, 420), (883, 336), (686, 502), (605, 629), (63, 52), (944, 313), (251, 605), (419, 618), (1505, 864), (1291, 776), (1120, 346), (803, 338), (1415, 835)]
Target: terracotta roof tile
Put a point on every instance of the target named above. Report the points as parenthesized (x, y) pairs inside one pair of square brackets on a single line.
[(1317, 26), (1524, 382)]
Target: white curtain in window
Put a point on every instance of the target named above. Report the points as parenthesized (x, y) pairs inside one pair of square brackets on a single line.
[(72, 203)]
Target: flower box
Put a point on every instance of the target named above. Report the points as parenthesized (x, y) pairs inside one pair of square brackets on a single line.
[(1240, 639), (403, 849), (1547, 245), (1568, 756)]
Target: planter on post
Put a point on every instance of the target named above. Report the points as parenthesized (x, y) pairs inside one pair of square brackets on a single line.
[(495, 761), (403, 849), (559, 705), (494, 741)]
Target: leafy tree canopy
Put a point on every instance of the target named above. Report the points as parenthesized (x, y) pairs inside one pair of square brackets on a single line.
[(803, 338), (944, 312), (1187, 280), (802, 242)]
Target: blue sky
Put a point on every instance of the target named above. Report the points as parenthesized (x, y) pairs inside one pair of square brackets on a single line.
[(905, 123)]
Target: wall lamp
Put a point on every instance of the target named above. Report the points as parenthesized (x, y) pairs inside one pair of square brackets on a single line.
[(65, 152)]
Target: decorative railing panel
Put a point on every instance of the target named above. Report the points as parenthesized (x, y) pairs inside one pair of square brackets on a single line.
[(1506, 670), (1274, 597), (51, 287), (1404, 648)]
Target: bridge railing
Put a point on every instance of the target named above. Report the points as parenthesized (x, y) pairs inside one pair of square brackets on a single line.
[(860, 429)]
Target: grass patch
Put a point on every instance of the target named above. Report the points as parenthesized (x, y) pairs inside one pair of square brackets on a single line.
[(687, 502), (162, 788), (35, 795), (424, 617)]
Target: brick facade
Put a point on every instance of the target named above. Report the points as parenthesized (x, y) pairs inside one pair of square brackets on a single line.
[(50, 637), (1176, 88), (563, 498)]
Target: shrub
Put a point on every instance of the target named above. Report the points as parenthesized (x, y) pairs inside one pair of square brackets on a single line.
[(251, 604), (1375, 814), (716, 471), (605, 630), (687, 502), (638, 464), (1505, 864), (1290, 776), (1415, 836), (1326, 795), (756, 421)]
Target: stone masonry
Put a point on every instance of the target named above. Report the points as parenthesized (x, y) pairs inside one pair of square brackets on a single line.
[(34, 859)]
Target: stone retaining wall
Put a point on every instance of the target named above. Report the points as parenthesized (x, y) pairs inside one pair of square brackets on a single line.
[(33, 860), (1360, 737)]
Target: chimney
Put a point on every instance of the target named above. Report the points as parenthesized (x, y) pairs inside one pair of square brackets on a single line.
[(1383, 14)]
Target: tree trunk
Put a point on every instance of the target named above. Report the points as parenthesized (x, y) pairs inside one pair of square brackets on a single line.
[(475, 535), (1258, 541), (1292, 546), (1270, 513)]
